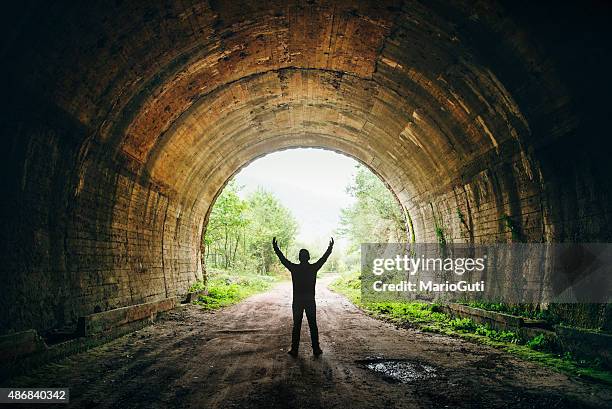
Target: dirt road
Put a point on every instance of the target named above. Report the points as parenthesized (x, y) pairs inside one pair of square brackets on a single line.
[(236, 358)]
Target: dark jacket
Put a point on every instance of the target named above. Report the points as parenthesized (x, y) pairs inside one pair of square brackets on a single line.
[(303, 275)]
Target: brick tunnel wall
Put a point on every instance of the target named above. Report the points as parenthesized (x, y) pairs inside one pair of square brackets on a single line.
[(85, 229), (71, 249)]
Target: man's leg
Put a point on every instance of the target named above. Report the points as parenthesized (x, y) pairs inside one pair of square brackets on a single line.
[(298, 312), (311, 315)]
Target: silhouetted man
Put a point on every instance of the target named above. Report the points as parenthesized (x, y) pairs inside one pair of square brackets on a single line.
[(304, 277)]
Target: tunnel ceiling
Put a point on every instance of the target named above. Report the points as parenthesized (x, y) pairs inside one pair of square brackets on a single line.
[(391, 85), (125, 120), (190, 92)]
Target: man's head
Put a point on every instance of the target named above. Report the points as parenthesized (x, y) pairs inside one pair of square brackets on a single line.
[(304, 256)]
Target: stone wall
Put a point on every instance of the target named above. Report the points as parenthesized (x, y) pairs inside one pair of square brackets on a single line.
[(71, 249), (122, 122)]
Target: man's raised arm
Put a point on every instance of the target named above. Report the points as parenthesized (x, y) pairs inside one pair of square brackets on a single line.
[(280, 254), (324, 257)]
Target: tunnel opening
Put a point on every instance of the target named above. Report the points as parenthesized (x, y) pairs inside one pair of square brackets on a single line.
[(301, 196), (121, 134)]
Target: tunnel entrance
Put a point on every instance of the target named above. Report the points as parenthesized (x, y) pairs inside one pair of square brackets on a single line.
[(301, 196), (122, 122), (121, 134)]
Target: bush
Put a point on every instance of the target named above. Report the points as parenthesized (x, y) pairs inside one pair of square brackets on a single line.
[(197, 286), (350, 285), (226, 289), (542, 343), (462, 324), (503, 336)]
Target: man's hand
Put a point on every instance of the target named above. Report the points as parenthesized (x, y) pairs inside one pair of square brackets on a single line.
[(280, 254), (319, 263)]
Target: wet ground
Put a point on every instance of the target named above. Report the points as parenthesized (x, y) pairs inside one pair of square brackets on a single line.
[(399, 370), (236, 358)]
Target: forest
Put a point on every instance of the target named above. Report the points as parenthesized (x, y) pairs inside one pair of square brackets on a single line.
[(240, 230)]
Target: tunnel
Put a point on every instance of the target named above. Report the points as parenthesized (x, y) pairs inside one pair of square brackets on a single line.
[(123, 121)]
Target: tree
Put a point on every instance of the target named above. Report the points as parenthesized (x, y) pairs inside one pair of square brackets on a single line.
[(225, 226), (269, 218), (239, 232), (375, 216)]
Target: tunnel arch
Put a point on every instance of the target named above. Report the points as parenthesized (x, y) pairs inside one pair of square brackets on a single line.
[(407, 224), (202, 129), (127, 119)]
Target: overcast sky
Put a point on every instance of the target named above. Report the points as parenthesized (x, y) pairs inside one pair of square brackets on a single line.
[(310, 182)]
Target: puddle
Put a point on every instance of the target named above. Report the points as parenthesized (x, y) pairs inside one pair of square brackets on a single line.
[(399, 370)]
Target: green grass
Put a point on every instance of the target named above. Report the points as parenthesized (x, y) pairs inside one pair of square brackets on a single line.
[(428, 318), (225, 288), (197, 286), (349, 286)]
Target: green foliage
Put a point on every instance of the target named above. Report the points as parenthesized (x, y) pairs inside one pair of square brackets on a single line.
[(503, 336), (463, 221), (468, 325), (349, 285), (239, 232), (544, 342), (227, 289), (461, 217), (412, 234), (462, 324), (415, 312), (428, 318), (440, 236), (538, 342), (268, 218), (564, 363), (438, 229), (197, 286), (374, 217), (511, 226), (227, 214)]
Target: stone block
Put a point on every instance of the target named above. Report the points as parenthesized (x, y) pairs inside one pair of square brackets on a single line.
[(107, 320), (18, 344)]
